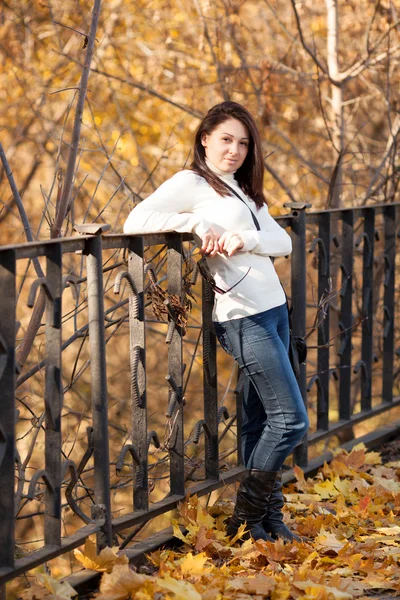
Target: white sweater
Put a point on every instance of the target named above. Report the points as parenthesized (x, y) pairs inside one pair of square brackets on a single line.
[(187, 203)]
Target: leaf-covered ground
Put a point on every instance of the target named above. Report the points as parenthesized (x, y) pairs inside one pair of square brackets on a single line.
[(347, 515)]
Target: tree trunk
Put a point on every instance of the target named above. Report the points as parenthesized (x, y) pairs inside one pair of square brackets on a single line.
[(337, 114)]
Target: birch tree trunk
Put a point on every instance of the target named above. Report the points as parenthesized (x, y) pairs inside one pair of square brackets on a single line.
[(336, 101)]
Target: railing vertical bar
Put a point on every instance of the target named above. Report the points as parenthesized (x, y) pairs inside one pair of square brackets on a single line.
[(175, 371), (346, 316), (137, 345), (324, 234), (102, 509), (367, 309), (210, 386), (53, 394), (298, 297), (7, 412), (389, 215)]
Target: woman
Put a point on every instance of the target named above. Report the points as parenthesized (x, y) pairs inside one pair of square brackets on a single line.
[(221, 200)]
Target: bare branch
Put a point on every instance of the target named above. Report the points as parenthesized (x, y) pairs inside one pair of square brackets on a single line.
[(368, 31), (20, 206), (394, 133), (364, 63), (305, 45), (78, 120), (280, 181), (71, 29)]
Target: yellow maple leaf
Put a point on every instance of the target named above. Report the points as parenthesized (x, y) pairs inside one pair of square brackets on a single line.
[(203, 518), (144, 595), (299, 474), (260, 584), (245, 549), (354, 459), (122, 583), (326, 489), (61, 589), (393, 530), (178, 533), (183, 590), (103, 562), (282, 590), (316, 590), (373, 458), (342, 485), (240, 533), (328, 541), (388, 484), (193, 564)]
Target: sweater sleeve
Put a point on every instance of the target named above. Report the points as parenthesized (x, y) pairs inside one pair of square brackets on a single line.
[(272, 240), (170, 208)]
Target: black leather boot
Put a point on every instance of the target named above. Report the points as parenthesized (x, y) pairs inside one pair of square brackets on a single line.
[(273, 519), (252, 504)]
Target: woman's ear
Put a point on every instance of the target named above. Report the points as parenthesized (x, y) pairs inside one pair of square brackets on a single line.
[(204, 139)]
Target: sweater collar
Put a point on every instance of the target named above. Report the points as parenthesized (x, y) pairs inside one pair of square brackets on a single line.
[(228, 177)]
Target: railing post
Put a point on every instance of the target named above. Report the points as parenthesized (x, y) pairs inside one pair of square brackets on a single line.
[(346, 315), (324, 234), (389, 215), (298, 300), (367, 308), (210, 385), (53, 395), (138, 346), (175, 371), (102, 509), (7, 412)]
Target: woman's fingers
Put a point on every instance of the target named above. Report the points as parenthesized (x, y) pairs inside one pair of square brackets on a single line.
[(210, 245), (230, 242)]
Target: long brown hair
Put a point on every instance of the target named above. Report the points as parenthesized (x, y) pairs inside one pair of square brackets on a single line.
[(250, 175)]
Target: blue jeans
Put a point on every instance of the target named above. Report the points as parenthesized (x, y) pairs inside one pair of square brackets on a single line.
[(274, 415)]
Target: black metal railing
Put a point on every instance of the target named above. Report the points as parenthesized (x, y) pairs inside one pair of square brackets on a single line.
[(347, 379)]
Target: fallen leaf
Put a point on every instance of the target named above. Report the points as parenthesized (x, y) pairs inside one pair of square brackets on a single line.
[(121, 583), (192, 565), (328, 541), (373, 458), (388, 484), (183, 590), (260, 584), (342, 485), (326, 489), (178, 533), (102, 562), (49, 589), (315, 590), (62, 589)]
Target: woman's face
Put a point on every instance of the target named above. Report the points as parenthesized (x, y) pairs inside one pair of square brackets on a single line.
[(227, 145)]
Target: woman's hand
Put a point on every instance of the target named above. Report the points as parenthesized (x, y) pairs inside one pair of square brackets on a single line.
[(210, 245), (230, 242)]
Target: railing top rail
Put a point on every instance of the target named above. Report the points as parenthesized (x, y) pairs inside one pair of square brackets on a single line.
[(358, 210), (120, 240), (77, 243)]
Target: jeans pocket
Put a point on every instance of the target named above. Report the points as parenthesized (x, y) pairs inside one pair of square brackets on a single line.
[(223, 338)]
